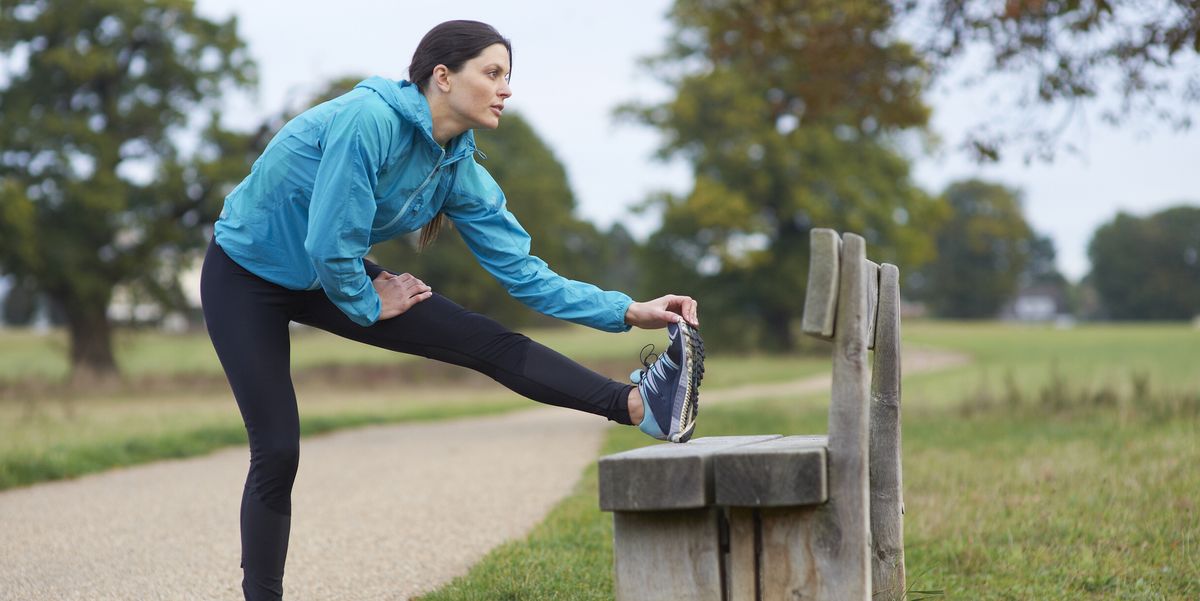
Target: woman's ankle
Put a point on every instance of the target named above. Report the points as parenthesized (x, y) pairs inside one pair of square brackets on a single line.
[(636, 410)]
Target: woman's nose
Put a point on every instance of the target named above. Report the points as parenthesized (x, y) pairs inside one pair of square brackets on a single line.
[(505, 90)]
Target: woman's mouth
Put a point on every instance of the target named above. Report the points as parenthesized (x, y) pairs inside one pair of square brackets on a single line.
[(497, 109)]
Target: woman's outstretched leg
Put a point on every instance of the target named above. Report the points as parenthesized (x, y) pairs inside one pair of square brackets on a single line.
[(439, 329)]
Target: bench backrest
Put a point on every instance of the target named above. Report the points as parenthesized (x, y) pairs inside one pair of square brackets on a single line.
[(856, 304), (836, 308)]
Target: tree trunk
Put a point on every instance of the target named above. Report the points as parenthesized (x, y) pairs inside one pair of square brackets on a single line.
[(778, 330), (92, 359), (787, 270)]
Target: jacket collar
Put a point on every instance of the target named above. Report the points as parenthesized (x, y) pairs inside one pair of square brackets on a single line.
[(407, 100)]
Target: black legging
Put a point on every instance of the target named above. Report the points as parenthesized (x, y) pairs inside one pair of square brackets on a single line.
[(247, 319)]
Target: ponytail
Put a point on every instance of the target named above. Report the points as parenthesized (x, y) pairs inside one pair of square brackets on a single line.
[(429, 232)]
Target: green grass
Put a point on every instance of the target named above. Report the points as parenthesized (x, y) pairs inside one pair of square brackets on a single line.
[(1029, 508), (1096, 356), (1077, 501)]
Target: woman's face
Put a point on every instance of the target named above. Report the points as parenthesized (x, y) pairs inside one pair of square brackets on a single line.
[(478, 91)]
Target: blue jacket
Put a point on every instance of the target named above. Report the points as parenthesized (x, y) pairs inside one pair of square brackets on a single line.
[(363, 168)]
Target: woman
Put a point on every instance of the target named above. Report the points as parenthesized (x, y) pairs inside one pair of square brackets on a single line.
[(383, 160)]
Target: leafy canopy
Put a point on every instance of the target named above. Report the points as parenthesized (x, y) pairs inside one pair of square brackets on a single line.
[(789, 113), (983, 249), (1149, 267), (98, 188)]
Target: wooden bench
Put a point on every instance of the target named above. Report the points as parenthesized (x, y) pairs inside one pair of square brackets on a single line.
[(759, 518)]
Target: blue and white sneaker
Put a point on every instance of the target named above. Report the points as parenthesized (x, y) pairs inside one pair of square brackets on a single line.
[(670, 386)]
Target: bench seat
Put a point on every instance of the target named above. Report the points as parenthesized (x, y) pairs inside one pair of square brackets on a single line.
[(788, 471)]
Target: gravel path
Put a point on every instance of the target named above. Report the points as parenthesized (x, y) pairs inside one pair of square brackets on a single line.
[(385, 512), (378, 513)]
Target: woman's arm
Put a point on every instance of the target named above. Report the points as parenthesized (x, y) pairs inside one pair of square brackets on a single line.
[(343, 206), (502, 247)]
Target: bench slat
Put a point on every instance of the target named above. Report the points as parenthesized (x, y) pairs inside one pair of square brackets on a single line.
[(787, 471), (872, 301), (665, 476), (821, 292), (887, 502)]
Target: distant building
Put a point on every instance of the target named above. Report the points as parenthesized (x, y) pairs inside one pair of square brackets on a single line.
[(1038, 303), (125, 308)]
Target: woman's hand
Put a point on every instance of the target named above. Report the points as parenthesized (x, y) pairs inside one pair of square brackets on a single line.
[(661, 311), (398, 293)]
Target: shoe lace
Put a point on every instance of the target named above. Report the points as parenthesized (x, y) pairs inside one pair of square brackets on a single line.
[(647, 352), (648, 358)]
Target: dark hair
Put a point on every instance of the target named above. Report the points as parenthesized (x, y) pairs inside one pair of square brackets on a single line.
[(452, 43)]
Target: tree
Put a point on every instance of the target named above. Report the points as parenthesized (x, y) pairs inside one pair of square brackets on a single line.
[(1061, 56), (983, 249), (1041, 267), (788, 112), (19, 306), (1148, 267), (535, 185), (96, 188)]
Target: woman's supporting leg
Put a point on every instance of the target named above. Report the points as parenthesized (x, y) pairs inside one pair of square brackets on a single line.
[(247, 320), (440, 329)]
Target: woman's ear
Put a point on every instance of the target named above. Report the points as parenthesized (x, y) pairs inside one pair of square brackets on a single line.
[(441, 78)]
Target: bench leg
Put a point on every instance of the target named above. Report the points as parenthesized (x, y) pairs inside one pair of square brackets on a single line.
[(667, 555), (790, 554), (742, 562), (887, 499), (791, 559)]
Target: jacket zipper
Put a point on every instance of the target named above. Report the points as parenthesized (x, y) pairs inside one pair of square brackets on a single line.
[(414, 195), (417, 192)]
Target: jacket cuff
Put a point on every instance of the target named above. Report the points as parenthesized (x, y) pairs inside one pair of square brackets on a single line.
[(620, 307), (363, 309)]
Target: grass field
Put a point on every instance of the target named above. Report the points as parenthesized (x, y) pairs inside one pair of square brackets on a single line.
[(1161, 358), (1059, 465)]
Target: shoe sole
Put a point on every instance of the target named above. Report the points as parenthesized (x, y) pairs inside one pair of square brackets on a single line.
[(693, 364)]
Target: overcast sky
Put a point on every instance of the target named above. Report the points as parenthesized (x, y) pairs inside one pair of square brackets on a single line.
[(574, 62)]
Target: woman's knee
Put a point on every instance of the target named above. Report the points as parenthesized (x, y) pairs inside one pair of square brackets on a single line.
[(281, 458), (272, 473)]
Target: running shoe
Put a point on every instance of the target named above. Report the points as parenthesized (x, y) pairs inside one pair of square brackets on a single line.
[(670, 384)]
